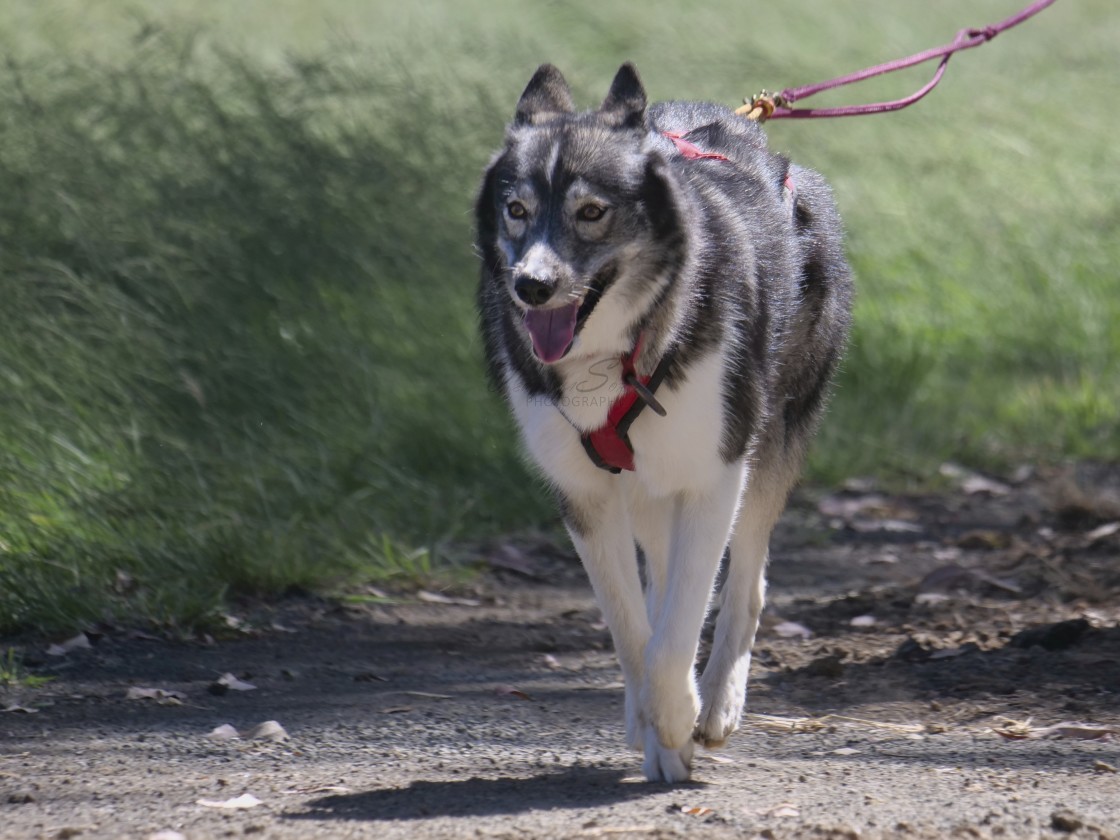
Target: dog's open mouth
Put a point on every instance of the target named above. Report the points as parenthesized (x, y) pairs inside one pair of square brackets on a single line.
[(554, 330)]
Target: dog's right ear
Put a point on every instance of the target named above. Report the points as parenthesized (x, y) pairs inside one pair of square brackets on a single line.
[(547, 95)]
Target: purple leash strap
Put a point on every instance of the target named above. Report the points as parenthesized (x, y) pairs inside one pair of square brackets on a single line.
[(776, 106)]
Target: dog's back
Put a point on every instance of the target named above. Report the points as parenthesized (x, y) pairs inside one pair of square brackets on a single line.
[(773, 246)]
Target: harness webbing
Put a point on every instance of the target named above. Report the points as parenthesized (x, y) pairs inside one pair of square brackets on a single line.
[(609, 446)]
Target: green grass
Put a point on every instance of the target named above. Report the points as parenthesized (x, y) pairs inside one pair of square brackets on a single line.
[(237, 344), (13, 674)]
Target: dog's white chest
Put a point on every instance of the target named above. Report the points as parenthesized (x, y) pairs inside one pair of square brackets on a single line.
[(681, 450)]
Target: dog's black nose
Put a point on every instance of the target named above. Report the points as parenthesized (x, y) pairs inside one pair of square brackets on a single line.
[(531, 290)]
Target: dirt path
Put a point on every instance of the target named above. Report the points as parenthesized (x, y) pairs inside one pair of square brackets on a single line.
[(504, 719)]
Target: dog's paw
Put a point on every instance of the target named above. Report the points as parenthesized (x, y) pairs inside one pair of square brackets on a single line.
[(719, 718), (665, 764), (724, 694), (671, 713)]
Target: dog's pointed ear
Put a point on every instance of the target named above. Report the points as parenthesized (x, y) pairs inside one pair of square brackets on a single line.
[(626, 100), (546, 95)]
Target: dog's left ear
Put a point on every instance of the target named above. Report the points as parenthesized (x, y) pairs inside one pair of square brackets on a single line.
[(626, 101)]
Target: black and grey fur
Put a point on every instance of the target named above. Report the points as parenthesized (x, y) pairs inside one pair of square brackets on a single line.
[(734, 268)]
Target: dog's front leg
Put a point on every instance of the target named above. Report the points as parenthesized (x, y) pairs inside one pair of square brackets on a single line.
[(724, 683), (604, 540), (700, 524)]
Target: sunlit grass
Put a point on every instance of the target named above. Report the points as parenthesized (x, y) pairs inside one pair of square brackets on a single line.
[(237, 339)]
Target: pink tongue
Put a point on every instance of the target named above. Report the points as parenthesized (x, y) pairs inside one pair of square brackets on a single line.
[(552, 331)]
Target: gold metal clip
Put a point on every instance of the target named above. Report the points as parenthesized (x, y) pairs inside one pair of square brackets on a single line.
[(760, 106)]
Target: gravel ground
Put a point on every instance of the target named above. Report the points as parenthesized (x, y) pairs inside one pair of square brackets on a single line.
[(982, 618)]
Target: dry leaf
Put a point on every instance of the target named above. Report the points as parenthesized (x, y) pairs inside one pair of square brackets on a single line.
[(784, 809), (1020, 730), (439, 598), (270, 730), (1103, 767), (890, 526), (429, 695), (229, 682), (978, 484), (158, 694), (225, 732), (1079, 731), (1103, 532), (141, 636), (945, 578), (849, 507), (984, 539), (887, 558), (715, 759), (698, 811), (512, 691), (792, 630), (15, 707), (998, 583), (608, 830), (929, 598), (396, 710), (784, 724), (245, 800), (79, 642)]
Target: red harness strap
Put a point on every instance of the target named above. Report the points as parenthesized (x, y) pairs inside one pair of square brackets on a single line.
[(609, 446), (689, 149)]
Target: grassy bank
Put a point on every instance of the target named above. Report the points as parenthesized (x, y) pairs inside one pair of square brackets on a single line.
[(237, 347)]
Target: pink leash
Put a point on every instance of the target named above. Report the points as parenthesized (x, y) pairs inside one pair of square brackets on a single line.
[(776, 106)]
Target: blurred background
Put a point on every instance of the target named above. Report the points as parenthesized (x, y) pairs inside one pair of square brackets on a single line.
[(237, 338)]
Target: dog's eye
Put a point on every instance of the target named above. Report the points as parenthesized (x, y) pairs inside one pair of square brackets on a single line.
[(516, 210), (591, 212)]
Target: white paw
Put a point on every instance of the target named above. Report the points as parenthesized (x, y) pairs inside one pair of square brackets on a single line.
[(665, 764), (720, 716), (724, 693), (671, 712)]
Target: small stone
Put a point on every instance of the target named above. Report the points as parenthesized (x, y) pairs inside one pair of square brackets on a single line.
[(1059, 636), (270, 730), (826, 666), (1065, 820), (21, 797)]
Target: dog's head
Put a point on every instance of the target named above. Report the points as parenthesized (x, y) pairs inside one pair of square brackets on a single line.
[(576, 218)]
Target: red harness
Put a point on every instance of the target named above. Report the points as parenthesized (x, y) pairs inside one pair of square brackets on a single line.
[(609, 446)]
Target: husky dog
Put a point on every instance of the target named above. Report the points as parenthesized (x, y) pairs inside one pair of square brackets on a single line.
[(663, 302)]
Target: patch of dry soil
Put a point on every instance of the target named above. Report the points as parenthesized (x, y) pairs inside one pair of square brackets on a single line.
[(915, 659)]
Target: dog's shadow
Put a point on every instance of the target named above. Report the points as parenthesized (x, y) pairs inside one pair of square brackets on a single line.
[(574, 787)]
